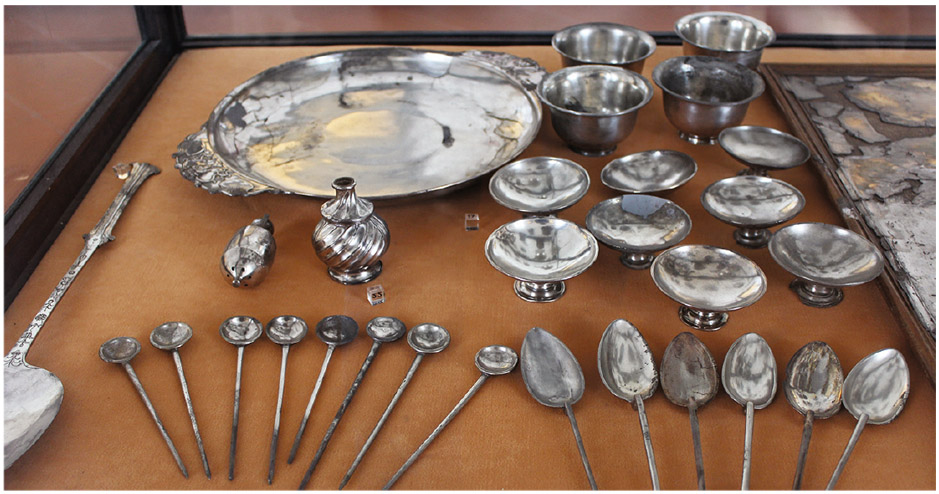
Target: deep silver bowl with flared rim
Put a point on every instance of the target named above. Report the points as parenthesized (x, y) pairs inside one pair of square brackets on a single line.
[(763, 149), (604, 43), (705, 95), (638, 226), (824, 258), (753, 205), (733, 37), (594, 107), (539, 186), (649, 172), (708, 281), (540, 253)]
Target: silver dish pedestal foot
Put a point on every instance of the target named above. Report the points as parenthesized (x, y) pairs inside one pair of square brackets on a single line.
[(533, 291), (755, 171), (702, 319), (593, 153), (356, 277), (637, 260), (753, 238), (696, 139), (816, 295)]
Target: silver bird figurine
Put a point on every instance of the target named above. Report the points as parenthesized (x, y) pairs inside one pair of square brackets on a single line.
[(249, 254)]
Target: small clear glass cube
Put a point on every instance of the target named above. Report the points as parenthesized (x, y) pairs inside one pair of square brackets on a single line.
[(375, 294), (122, 170), (471, 221)]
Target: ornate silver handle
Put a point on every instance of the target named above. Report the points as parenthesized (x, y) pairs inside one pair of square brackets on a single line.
[(198, 163)]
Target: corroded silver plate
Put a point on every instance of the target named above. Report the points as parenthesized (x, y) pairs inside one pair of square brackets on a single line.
[(401, 121)]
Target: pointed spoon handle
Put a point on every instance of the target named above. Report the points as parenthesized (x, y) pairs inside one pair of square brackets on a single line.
[(647, 439), (696, 439), (580, 446), (861, 422), (804, 449)]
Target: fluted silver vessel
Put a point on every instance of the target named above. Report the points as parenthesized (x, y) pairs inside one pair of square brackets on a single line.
[(249, 255), (350, 238)]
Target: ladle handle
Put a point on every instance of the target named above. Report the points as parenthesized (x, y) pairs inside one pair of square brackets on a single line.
[(234, 420), (696, 439), (804, 449), (647, 439), (747, 448), (580, 446), (861, 422), (309, 405), (433, 435), (159, 424), (280, 404)]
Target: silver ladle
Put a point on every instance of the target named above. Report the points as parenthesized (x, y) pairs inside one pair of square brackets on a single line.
[(334, 331), (381, 330), (122, 350), (554, 378), (813, 385), (424, 339), (689, 379), (169, 337), (285, 331), (628, 371), (749, 377), (874, 392), (240, 331), (494, 360)]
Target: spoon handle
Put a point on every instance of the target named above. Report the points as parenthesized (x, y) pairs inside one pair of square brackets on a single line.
[(804, 449), (149, 404), (192, 412), (580, 446), (747, 447), (309, 405), (280, 404), (647, 439), (433, 435), (861, 422), (696, 439), (381, 421), (342, 410), (234, 420)]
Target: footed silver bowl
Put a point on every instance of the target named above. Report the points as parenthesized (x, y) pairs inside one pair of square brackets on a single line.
[(540, 253), (709, 282), (649, 172), (539, 186), (752, 204), (824, 258), (638, 226), (763, 149), (733, 37), (604, 43)]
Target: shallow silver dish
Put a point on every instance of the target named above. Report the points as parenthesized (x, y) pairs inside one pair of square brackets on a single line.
[(708, 281), (649, 172), (402, 121), (539, 186), (752, 204), (638, 226), (763, 149), (540, 253), (824, 258)]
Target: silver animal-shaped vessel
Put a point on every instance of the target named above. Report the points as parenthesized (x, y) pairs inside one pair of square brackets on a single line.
[(249, 255)]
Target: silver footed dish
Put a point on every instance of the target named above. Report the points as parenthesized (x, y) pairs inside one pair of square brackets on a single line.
[(763, 149), (638, 226), (649, 172), (539, 186), (752, 204)]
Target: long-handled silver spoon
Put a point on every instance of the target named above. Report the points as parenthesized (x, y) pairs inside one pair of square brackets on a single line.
[(32, 395), (169, 337), (813, 385), (689, 379), (381, 330), (424, 339), (553, 378), (494, 360), (875, 392), (121, 350), (628, 371), (284, 331), (239, 331), (749, 377), (334, 331)]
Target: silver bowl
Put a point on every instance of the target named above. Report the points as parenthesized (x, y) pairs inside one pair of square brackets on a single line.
[(824, 258), (763, 149), (638, 226), (709, 282), (733, 37), (752, 204), (540, 253), (705, 95), (604, 43), (649, 172), (594, 107), (539, 186)]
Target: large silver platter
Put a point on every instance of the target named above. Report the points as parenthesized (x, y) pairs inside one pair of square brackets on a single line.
[(400, 121)]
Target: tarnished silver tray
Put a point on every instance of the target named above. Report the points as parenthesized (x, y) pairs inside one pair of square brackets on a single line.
[(401, 121)]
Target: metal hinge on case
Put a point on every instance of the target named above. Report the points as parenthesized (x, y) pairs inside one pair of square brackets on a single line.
[(198, 163)]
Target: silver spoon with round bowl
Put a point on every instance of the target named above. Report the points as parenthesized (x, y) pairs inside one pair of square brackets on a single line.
[(813, 385), (284, 331), (824, 258), (638, 226), (763, 149), (240, 331), (753, 205), (540, 253), (649, 172), (708, 282), (539, 186)]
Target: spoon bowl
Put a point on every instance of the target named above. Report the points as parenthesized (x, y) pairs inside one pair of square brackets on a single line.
[(550, 371), (428, 338), (688, 372), (496, 360), (171, 335), (814, 380), (337, 330), (241, 330), (749, 371), (286, 330), (625, 362), (385, 329), (119, 350), (878, 387)]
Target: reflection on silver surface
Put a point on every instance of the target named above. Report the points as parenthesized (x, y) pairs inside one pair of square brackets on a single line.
[(733, 37), (708, 278), (649, 172), (763, 148), (752, 204), (540, 185), (638, 224), (402, 121), (604, 43), (878, 386)]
